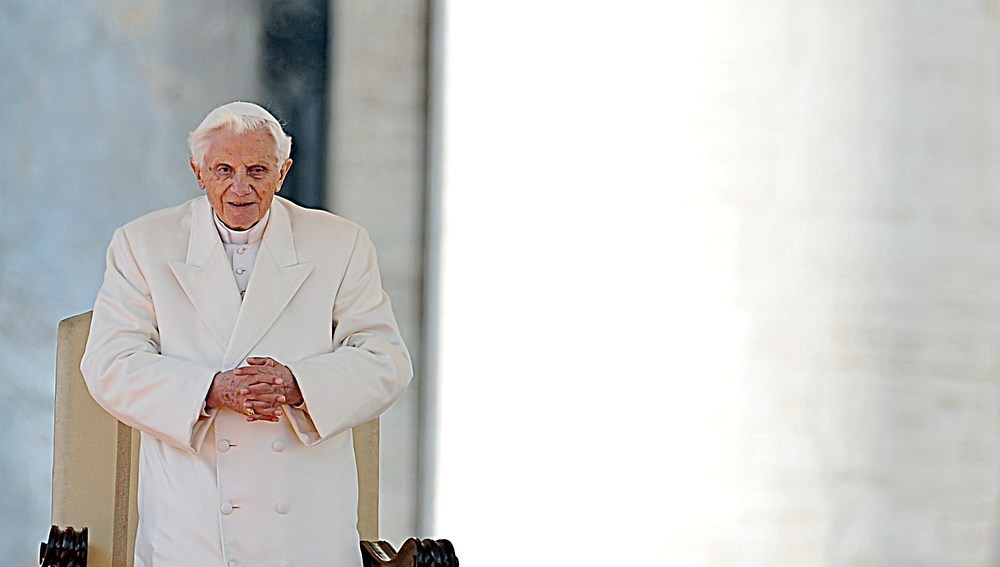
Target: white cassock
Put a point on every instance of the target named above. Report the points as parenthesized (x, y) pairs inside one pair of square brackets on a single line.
[(213, 488), (241, 248)]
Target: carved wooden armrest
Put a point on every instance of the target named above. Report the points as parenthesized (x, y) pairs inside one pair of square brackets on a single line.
[(414, 552), (65, 548), (68, 548)]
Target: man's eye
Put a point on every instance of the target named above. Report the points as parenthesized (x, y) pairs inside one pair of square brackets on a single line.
[(223, 169), (257, 171)]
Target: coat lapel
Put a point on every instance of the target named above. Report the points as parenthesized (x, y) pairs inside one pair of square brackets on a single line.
[(276, 277), (206, 277)]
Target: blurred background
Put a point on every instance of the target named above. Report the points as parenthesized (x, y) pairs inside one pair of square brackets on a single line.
[(686, 283)]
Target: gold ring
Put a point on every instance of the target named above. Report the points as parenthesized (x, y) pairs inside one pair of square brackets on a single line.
[(248, 411)]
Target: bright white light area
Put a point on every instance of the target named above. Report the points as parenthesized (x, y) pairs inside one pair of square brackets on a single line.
[(589, 329)]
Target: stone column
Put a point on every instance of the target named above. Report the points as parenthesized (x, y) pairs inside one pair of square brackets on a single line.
[(376, 167), (858, 147), (741, 255)]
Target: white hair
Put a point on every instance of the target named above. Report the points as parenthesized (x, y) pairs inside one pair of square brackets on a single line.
[(238, 117)]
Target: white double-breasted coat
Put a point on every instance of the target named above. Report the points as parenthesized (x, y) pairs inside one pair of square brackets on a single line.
[(218, 490)]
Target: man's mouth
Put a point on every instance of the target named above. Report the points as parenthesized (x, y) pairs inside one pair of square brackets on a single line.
[(250, 204)]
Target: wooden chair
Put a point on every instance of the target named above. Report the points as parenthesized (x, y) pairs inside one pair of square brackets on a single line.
[(96, 466)]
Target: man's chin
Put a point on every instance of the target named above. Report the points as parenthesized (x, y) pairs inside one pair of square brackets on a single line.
[(242, 223), (240, 218)]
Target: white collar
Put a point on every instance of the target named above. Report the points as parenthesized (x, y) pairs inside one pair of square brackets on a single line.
[(251, 235)]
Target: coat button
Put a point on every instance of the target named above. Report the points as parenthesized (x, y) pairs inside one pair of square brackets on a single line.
[(232, 563), (223, 445), (241, 271), (282, 507), (278, 445), (226, 508)]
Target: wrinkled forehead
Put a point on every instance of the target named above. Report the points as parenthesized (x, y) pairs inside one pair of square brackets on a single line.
[(256, 145)]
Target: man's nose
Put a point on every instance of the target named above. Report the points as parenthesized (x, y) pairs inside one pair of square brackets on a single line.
[(241, 185)]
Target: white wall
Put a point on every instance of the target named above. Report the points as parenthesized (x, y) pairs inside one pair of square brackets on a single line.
[(717, 282)]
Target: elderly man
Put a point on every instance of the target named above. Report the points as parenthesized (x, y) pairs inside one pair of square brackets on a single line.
[(244, 336)]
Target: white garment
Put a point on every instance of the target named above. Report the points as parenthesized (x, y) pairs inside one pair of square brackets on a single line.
[(215, 489), (241, 247)]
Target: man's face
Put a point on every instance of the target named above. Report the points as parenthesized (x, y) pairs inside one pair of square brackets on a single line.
[(241, 174)]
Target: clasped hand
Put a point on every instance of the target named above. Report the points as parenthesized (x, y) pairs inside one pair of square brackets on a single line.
[(257, 390)]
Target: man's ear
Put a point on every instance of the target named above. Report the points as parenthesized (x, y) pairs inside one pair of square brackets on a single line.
[(284, 171), (197, 172)]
